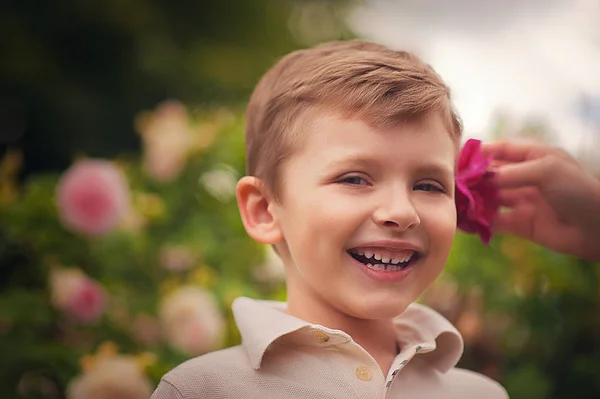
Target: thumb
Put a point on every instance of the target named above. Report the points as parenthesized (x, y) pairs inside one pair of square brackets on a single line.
[(528, 173)]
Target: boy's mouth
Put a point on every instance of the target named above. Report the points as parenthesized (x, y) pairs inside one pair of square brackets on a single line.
[(380, 259)]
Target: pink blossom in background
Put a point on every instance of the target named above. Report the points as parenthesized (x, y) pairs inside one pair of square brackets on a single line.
[(92, 197), (192, 320), (77, 294), (192, 337), (88, 301), (477, 200), (167, 138), (114, 377), (176, 258)]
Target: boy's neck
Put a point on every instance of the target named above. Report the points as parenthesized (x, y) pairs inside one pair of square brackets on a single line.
[(377, 337)]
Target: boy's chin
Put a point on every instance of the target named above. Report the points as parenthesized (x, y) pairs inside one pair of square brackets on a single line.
[(377, 310)]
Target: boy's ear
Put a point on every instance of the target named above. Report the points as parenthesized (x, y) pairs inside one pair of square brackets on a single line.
[(256, 212)]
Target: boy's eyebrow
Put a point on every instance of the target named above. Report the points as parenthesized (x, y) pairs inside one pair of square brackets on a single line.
[(437, 168), (353, 159), (426, 167)]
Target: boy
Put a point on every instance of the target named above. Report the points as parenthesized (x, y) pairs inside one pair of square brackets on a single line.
[(351, 149)]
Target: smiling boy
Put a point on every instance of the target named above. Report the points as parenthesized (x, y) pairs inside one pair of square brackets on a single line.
[(351, 150)]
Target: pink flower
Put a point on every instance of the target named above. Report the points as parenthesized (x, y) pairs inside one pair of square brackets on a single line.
[(87, 302), (77, 294), (111, 376), (167, 139), (477, 201), (92, 197), (177, 258), (192, 321)]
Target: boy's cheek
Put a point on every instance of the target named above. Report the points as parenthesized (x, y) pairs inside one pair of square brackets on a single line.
[(441, 229), (441, 215)]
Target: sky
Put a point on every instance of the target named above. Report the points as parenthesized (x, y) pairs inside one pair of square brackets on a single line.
[(525, 60)]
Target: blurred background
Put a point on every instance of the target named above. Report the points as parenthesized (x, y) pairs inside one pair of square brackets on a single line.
[(121, 140)]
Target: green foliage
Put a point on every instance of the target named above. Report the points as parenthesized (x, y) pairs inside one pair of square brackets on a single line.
[(533, 321), (40, 343)]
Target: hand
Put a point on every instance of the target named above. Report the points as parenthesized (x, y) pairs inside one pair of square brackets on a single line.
[(550, 199)]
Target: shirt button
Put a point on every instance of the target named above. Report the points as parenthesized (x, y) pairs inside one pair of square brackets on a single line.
[(321, 337), (363, 373)]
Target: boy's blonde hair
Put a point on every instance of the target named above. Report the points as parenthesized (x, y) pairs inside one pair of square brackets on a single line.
[(354, 79)]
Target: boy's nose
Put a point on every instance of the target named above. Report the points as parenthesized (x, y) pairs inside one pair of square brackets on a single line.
[(397, 212)]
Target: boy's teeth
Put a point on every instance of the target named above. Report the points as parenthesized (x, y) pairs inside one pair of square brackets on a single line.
[(385, 257), (377, 266), (386, 267)]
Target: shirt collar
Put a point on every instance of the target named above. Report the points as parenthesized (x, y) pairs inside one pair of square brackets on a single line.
[(261, 323)]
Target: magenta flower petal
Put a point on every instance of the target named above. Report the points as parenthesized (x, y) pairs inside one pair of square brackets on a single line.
[(477, 200)]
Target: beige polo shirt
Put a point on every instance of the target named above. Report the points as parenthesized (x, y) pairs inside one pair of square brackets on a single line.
[(284, 357)]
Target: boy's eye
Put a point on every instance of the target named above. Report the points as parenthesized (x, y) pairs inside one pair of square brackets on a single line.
[(357, 180), (429, 187)]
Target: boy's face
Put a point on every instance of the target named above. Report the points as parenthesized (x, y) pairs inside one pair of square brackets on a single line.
[(356, 202)]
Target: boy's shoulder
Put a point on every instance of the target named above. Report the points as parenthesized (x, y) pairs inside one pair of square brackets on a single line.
[(233, 358), (209, 374), (469, 384), (423, 379)]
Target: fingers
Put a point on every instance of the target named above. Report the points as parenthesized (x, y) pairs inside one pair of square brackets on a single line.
[(528, 173), (514, 196), (516, 151), (516, 222), (495, 163), (518, 206)]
